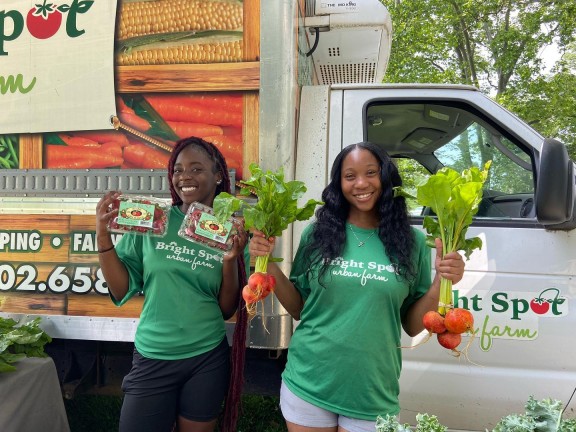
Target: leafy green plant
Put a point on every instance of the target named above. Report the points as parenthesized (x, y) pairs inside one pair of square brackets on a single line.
[(275, 209), (20, 341), (454, 198), (425, 423), (541, 416)]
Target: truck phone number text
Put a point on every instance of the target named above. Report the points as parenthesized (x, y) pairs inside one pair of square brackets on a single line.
[(62, 279)]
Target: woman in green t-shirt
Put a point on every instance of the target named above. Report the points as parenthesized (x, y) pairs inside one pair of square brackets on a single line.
[(360, 275), (181, 365)]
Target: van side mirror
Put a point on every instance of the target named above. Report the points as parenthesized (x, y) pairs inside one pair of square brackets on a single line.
[(555, 189)]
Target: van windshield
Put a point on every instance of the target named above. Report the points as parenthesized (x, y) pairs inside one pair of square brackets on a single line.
[(424, 137)]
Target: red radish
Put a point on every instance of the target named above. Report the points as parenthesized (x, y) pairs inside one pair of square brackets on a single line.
[(257, 280), (249, 295), (458, 320), (261, 284), (449, 340), (434, 322), (271, 282)]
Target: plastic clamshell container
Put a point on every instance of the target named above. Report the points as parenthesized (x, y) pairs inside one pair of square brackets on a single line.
[(201, 226), (141, 215)]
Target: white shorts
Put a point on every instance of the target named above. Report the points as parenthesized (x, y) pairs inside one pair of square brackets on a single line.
[(300, 412)]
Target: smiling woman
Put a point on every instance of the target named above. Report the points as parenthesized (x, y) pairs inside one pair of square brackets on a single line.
[(186, 303)]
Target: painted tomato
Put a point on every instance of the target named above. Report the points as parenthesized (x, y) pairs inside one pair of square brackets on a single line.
[(43, 21), (539, 306)]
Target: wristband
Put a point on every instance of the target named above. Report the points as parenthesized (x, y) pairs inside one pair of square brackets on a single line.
[(101, 251)]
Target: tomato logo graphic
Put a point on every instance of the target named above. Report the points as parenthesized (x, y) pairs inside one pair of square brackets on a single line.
[(539, 305), (43, 20), (549, 304)]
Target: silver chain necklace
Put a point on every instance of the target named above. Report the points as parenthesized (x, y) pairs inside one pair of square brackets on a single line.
[(361, 242)]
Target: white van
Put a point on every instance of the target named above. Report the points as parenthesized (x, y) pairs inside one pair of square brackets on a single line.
[(520, 286)]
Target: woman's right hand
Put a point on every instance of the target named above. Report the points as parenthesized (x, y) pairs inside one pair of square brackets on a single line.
[(105, 212), (259, 244), (285, 291), (113, 269)]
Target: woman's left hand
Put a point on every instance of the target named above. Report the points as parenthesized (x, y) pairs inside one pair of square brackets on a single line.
[(450, 266), (239, 244)]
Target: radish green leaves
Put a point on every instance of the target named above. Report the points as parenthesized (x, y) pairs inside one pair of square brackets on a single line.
[(276, 208), (454, 198)]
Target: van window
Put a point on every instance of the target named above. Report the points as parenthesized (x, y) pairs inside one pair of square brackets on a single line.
[(424, 137)]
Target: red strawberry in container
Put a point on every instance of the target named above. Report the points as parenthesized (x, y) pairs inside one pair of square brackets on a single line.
[(141, 215)]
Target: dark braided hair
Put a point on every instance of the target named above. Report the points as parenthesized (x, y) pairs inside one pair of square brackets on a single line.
[(230, 416), (329, 232)]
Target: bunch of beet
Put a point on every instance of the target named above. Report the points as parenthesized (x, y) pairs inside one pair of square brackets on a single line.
[(449, 327), (260, 285)]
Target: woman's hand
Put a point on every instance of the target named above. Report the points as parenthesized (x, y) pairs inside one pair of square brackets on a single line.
[(239, 243), (260, 245), (451, 266), (105, 212)]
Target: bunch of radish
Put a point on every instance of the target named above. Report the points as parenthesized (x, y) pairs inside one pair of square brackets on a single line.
[(276, 208), (449, 328), (260, 285), (454, 198)]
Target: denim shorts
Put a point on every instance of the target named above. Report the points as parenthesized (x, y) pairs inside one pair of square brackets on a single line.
[(300, 412)]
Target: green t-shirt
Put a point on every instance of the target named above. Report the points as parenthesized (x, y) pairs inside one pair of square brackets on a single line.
[(180, 281), (345, 353)]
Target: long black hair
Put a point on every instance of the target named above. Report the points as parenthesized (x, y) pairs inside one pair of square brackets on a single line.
[(328, 235), (230, 416)]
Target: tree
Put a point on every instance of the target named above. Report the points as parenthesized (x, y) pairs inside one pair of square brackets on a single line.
[(493, 45)]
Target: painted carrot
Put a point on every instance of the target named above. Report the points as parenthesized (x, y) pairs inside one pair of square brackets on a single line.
[(231, 130), (171, 111), (187, 129), (104, 136), (227, 101), (229, 145), (224, 101), (231, 148), (57, 157), (122, 107), (134, 120), (77, 141), (112, 148), (143, 156)]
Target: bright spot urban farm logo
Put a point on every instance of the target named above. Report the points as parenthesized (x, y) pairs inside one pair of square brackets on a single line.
[(42, 21)]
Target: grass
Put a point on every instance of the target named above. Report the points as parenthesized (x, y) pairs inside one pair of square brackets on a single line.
[(95, 413)]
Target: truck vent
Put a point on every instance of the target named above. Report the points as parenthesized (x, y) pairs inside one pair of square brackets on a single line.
[(347, 73)]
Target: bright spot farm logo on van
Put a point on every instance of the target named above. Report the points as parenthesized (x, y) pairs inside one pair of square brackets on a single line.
[(516, 316), (56, 65)]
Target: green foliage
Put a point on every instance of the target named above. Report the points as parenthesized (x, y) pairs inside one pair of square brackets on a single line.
[(17, 342), (494, 45), (541, 416), (424, 423), (276, 208), (454, 198)]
